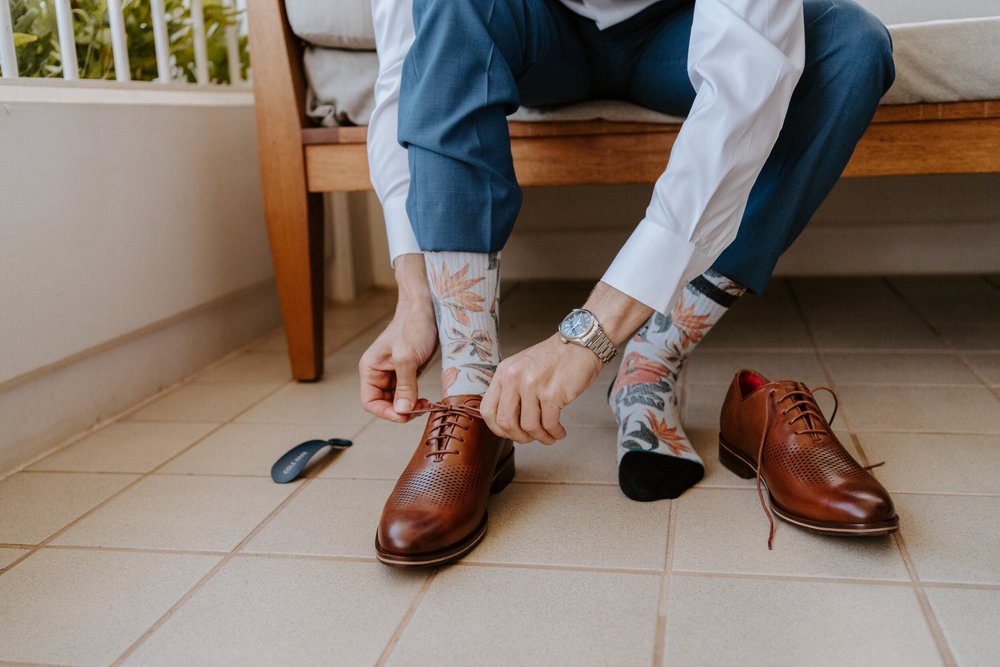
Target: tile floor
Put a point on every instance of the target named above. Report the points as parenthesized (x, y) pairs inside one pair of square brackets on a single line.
[(160, 540)]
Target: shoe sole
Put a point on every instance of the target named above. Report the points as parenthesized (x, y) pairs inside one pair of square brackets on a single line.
[(741, 467), (501, 478)]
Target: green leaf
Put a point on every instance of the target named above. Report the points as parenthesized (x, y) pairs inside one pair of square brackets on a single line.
[(20, 39), (644, 434)]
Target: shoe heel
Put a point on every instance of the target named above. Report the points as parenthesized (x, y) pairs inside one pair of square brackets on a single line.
[(504, 474), (734, 464)]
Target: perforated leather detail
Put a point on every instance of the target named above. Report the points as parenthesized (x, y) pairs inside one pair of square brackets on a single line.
[(448, 485), (813, 465)]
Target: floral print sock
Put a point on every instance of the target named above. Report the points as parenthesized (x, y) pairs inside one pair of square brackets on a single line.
[(465, 287), (655, 457)]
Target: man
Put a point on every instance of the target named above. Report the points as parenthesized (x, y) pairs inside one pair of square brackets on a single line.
[(776, 94)]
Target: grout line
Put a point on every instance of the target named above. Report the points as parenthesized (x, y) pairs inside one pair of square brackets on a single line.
[(925, 606), (405, 621), (947, 341), (855, 581), (204, 580), (660, 633), (593, 569)]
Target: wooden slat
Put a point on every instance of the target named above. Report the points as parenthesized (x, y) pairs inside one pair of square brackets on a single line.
[(887, 149), (928, 147)]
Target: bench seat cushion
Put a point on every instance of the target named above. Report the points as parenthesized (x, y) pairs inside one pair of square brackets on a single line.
[(936, 61)]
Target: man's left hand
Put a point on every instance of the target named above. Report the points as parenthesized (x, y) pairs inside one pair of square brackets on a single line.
[(530, 389)]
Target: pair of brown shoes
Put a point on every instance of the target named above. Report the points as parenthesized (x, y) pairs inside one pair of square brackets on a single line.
[(773, 431)]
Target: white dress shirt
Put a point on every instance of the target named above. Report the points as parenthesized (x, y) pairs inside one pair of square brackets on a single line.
[(744, 60)]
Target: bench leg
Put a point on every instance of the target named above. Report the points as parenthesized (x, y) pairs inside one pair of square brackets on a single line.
[(296, 236), (294, 216)]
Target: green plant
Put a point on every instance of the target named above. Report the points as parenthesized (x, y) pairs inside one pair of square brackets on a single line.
[(37, 41)]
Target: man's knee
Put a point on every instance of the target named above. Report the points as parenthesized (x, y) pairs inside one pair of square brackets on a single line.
[(856, 40)]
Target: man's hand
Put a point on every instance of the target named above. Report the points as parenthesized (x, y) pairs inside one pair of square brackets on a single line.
[(530, 389), (389, 367)]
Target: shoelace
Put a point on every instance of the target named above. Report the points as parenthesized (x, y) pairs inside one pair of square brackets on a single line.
[(443, 416), (808, 409)]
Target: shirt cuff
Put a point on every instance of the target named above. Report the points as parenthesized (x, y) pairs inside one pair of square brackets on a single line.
[(655, 265), (398, 230)]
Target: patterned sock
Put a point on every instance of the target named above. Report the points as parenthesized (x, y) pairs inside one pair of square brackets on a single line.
[(465, 287), (655, 457)]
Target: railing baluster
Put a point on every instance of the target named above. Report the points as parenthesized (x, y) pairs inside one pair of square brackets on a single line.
[(119, 45), (8, 54), (200, 43), (233, 59), (67, 40), (161, 41)]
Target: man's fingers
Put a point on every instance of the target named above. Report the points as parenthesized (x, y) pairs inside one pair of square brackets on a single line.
[(551, 423), (405, 396), (509, 416), (531, 420), (488, 407)]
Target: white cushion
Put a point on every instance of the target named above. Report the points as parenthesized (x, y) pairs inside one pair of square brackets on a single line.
[(335, 24), (347, 24), (937, 61)]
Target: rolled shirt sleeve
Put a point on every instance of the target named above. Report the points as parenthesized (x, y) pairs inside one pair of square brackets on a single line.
[(389, 169), (744, 60)]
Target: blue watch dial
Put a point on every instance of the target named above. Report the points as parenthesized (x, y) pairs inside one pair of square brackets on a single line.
[(576, 324)]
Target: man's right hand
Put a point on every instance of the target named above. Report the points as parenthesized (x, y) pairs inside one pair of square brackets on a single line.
[(389, 367)]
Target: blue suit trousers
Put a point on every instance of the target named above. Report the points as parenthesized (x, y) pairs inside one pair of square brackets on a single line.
[(473, 62)]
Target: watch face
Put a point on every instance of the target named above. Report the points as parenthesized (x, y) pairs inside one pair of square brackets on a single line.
[(576, 324)]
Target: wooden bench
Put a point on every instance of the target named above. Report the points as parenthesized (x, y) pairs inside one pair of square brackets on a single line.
[(299, 162)]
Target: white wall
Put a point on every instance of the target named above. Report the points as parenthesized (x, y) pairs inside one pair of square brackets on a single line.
[(125, 215)]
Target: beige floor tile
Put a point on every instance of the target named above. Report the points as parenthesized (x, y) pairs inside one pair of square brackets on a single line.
[(702, 404), (8, 556), (725, 530), (334, 400), (898, 368), (126, 447), (935, 409), (251, 367), (173, 512), (501, 616), (706, 443), (267, 611), (952, 538), (592, 409), (203, 402), (251, 449), (981, 335), (380, 451), (87, 607), (587, 454), (988, 365), (935, 463), (331, 517), (37, 504), (709, 366), (780, 330), (969, 620), (855, 331), (590, 526), (724, 621)]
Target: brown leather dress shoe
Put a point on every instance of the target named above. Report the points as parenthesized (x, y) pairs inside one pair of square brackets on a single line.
[(775, 431), (437, 512)]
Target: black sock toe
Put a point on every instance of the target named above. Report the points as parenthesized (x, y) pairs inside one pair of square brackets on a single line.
[(646, 476)]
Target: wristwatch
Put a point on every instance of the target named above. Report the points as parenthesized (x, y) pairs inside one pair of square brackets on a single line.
[(580, 327)]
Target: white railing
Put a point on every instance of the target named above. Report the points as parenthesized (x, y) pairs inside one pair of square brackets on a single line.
[(119, 42)]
